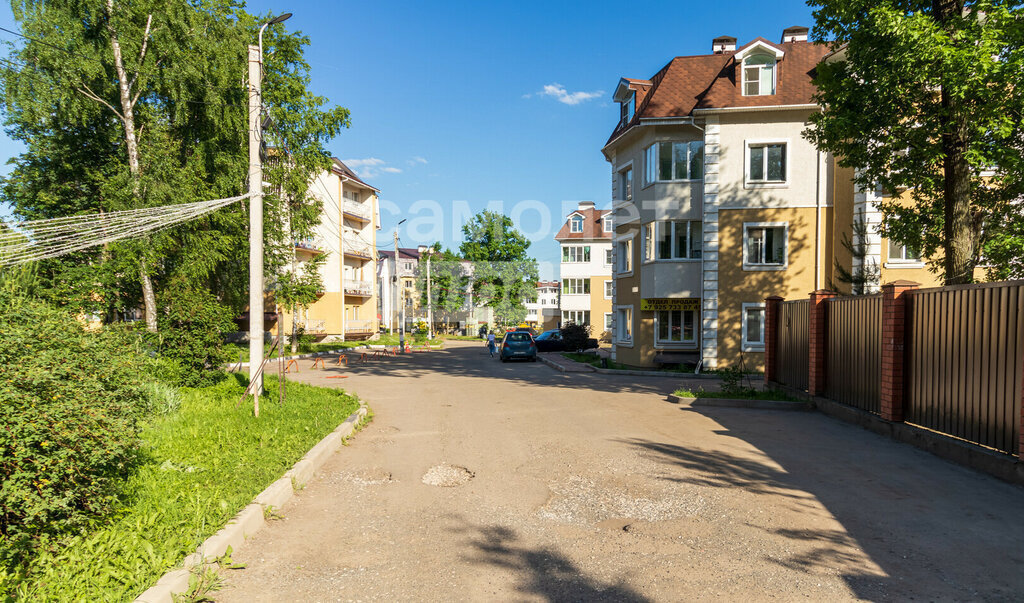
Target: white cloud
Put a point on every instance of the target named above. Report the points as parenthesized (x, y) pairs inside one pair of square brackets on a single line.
[(559, 93), (391, 170), (417, 161), (371, 167)]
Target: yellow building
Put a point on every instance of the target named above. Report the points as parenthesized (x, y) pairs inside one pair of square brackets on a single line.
[(586, 269), (347, 234)]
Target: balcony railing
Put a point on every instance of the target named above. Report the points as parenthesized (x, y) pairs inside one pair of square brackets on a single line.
[(356, 287), (359, 326), (356, 208), (315, 326), (309, 245), (357, 247)]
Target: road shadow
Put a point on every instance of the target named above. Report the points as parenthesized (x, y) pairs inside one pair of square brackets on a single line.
[(935, 530), (541, 571)]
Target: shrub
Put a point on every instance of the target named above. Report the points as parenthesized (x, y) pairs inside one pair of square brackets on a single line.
[(192, 323), (69, 409), (575, 336)]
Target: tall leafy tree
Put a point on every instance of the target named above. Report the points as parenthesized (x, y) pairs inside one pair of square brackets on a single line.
[(449, 283), (144, 103), (927, 97), (505, 277)]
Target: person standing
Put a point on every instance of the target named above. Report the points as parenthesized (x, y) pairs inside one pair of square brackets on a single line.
[(491, 343)]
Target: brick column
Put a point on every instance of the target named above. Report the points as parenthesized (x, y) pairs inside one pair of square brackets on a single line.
[(816, 340), (893, 344), (771, 318)]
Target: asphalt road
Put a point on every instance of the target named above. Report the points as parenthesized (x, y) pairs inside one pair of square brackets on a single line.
[(478, 480)]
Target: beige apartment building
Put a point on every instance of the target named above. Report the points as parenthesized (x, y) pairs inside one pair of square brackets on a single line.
[(719, 202), (347, 234), (586, 269)]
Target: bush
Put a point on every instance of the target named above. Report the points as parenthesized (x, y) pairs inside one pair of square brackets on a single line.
[(69, 409), (575, 336), (192, 322)]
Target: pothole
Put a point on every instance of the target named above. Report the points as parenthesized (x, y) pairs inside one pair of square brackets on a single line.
[(367, 477), (447, 476)]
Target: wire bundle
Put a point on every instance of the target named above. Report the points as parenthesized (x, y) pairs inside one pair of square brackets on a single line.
[(34, 240)]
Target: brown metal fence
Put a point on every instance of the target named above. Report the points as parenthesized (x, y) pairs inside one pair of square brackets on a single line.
[(853, 361), (964, 357), (792, 354)]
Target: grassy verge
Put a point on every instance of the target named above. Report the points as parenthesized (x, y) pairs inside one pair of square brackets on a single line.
[(745, 394), (205, 462), (241, 350)]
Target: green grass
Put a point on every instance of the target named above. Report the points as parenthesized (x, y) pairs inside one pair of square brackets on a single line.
[(205, 462), (745, 394), (242, 349), (595, 360)]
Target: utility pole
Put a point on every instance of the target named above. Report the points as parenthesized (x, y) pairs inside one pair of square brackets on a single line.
[(341, 246), (255, 230), (430, 301), (394, 284)]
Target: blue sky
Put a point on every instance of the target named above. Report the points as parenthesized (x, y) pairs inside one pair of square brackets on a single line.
[(466, 103)]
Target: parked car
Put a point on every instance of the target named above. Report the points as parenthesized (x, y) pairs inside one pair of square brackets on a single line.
[(551, 341), (529, 330), (518, 344)]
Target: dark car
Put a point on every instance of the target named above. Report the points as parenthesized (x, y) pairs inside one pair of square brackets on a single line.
[(518, 344), (551, 341)]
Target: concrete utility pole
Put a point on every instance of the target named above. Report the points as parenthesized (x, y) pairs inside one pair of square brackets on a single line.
[(394, 284), (255, 229), (430, 302)]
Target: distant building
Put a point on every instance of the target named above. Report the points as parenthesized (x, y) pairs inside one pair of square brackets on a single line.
[(544, 313), (586, 269)]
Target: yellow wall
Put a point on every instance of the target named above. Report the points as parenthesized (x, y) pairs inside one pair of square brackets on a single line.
[(598, 307)]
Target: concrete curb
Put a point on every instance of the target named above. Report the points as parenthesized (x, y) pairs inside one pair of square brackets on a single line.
[(742, 403), (299, 357), (584, 368), (251, 519)]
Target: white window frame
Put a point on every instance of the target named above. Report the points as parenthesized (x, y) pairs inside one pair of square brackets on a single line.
[(751, 266), (773, 65), (609, 288), (609, 256), (651, 255), (627, 257), (625, 192), (652, 162), (571, 316), (748, 182), (682, 342), (573, 221), (581, 253), (902, 261), (583, 289), (747, 345), (606, 224), (609, 322), (622, 322)]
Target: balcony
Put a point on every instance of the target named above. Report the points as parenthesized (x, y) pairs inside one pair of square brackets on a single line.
[(357, 210), (354, 247), (308, 246), (313, 326), (357, 287)]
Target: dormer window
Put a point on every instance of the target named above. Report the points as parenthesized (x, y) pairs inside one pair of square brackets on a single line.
[(576, 224), (627, 108), (759, 75)]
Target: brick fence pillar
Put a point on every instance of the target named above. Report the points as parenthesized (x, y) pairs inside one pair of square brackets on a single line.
[(771, 336), (817, 337), (893, 344)]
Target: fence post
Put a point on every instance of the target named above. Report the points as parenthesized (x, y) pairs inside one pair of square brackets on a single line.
[(893, 345), (817, 337), (771, 335)]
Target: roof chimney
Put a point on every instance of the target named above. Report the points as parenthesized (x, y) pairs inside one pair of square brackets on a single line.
[(797, 33), (723, 44), (584, 205)]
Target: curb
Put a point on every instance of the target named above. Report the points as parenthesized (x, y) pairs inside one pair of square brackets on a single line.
[(299, 357), (742, 403), (250, 520), (566, 369)]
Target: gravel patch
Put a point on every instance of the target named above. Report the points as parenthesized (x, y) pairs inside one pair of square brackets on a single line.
[(447, 476), (580, 500), (366, 477)]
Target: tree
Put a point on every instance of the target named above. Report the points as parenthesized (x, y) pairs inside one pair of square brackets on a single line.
[(504, 276), (123, 105), (449, 283), (926, 97)]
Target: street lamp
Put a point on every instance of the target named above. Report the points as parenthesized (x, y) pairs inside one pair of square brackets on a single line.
[(256, 217)]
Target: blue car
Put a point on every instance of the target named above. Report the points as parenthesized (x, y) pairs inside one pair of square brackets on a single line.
[(518, 344)]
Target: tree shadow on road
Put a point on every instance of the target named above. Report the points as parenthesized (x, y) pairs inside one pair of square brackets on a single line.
[(542, 572)]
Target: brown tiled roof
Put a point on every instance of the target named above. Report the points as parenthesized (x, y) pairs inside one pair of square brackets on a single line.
[(710, 82), (346, 171), (592, 225), (404, 252)]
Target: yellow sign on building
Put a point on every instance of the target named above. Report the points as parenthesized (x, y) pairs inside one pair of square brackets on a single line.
[(669, 303)]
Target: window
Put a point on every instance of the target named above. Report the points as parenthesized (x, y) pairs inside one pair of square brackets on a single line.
[(625, 253), (676, 326), (608, 322), (608, 286), (668, 161), (764, 245), (624, 325), (767, 162), (579, 317), (575, 286), (575, 254), (649, 242), (626, 185), (675, 240), (606, 223), (627, 109), (902, 253), (608, 257), (753, 327), (758, 75), (576, 224)]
